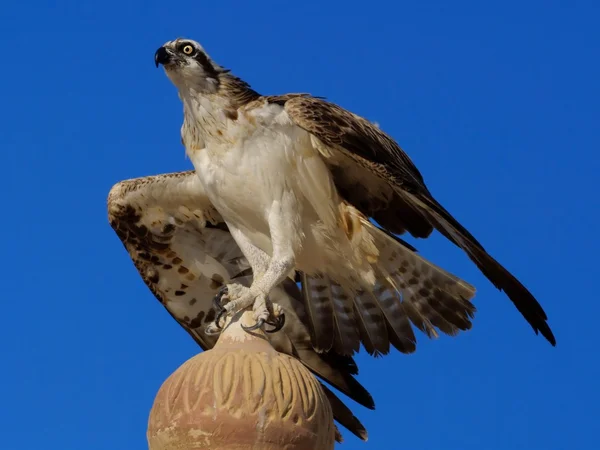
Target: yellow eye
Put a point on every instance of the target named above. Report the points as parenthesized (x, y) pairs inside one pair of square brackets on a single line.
[(188, 49)]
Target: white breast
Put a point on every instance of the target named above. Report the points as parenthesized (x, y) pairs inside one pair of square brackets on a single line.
[(261, 158), (246, 170)]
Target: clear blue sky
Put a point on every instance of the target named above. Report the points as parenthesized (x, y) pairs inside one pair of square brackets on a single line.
[(497, 104)]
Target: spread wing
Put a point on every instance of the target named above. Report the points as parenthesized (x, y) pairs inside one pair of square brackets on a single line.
[(375, 175), (185, 253)]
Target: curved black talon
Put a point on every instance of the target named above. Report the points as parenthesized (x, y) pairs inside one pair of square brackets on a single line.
[(217, 298), (277, 325), (218, 306), (219, 317), (256, 326)]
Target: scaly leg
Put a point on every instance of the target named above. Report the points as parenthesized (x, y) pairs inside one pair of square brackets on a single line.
[(259, 261), (285, 239)]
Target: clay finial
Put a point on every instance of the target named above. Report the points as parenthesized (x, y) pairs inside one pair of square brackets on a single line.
[(242, 394)]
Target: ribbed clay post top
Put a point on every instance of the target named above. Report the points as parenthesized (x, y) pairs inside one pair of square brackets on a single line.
[(242, 394)]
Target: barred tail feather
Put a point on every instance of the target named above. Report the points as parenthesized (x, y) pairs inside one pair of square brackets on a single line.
[(408, 286), (319, 308), (331, 314), (398, 326), (371, 324), (413, 313), (346, 339), (407, 289)]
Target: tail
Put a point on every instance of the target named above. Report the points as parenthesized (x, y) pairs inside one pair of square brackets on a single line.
[(344, 416), (407, 289), (331, 315), (448, 226), (410, 288)]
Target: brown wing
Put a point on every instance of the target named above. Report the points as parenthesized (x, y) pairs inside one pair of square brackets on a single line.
[(372, 172), (185, 253)]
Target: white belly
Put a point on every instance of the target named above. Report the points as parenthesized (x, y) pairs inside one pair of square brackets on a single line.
[(266, 161), (244, 180)]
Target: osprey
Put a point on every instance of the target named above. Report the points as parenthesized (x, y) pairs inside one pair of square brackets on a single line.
[(296, 179), (184, 253)]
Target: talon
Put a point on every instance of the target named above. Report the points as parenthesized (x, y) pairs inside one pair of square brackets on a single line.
[(217, 298), (221, 311), (256, 326), (212, 330), (277, 324)]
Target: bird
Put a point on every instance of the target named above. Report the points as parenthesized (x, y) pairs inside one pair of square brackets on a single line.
[(184, 253), (306, 186)]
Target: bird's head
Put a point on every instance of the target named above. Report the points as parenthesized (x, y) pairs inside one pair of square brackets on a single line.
[(188, 66)]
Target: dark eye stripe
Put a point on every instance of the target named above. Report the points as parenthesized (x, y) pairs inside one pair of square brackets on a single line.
[(205, 63)]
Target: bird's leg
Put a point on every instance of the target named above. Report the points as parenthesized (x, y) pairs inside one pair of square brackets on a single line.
[(279, 267), (259, 261), (285, 238)]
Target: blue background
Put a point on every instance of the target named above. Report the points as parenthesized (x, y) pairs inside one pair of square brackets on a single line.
[(496, 102)]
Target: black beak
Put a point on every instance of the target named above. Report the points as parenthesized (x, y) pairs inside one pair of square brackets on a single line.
[(162, 57)]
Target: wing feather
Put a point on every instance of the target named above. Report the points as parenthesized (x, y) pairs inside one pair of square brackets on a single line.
[(185, 253), (378, 177)]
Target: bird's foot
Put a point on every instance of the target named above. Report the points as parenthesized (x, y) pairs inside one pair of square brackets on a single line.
[(266, 312), (239, 298)]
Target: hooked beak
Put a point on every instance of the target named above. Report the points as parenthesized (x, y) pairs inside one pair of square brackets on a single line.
[(162, 56)]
